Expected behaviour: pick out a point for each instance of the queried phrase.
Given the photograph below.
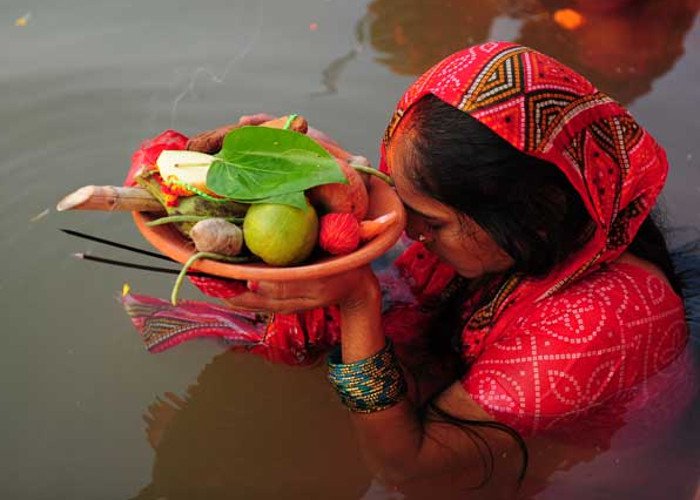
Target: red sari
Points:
(542, 352)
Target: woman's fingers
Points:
(279, 290)
(283, 296)
(255, 119)
(253, 302)
(210, 141)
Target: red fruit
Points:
(344, 198)
(339, 233)
(147, 153)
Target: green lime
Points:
(280, 234)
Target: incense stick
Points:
(132, 265)
(115, 244)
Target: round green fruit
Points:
(280, 235)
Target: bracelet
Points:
(368, 385)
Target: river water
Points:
(86, 411)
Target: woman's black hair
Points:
(524, 203)
(650, 244)
(470, 426)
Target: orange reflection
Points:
(569, 19)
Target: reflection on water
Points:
(331, 73)
(282, 436)
(622, 48)
(412, 35)
(228, 434)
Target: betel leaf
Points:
(258, 163)
(297, 200)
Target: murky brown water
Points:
(87, 413)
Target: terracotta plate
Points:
(383, 199)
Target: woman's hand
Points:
(351, 291)
(255, 119)
(210, 141)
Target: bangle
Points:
(368, 385)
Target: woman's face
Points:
(455, 238)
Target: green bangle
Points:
(368, 385)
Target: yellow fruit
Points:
(280, 235)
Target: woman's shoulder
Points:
(624, 305)
(629, 288)
(620, 308)
(644, 273)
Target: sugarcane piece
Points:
(111, 198)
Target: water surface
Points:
(87, 413)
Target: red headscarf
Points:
(546, 110)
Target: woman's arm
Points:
(402, 443)
(402, 446)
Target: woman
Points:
(541, 292)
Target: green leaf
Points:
(259, 162)
(297, 200)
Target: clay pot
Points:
(382, 200)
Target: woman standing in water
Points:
(535, 260)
